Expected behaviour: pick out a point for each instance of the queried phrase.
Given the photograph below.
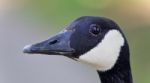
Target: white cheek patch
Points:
(104, 56)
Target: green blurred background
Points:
(51, 16)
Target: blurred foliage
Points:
(132, 15)
(139, 49)
(62, 11)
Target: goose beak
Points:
(56, 45)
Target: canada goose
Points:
(97, 41)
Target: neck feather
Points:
(121, 72)
(116, 75)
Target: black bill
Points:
(57, 45)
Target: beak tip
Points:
(27, 49)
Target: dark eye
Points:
(95, 29)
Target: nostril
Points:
(53, 42)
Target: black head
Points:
(80, 37)
(89, 32)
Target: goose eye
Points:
(95, 29)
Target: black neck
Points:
(116, 75)
(121, 72)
